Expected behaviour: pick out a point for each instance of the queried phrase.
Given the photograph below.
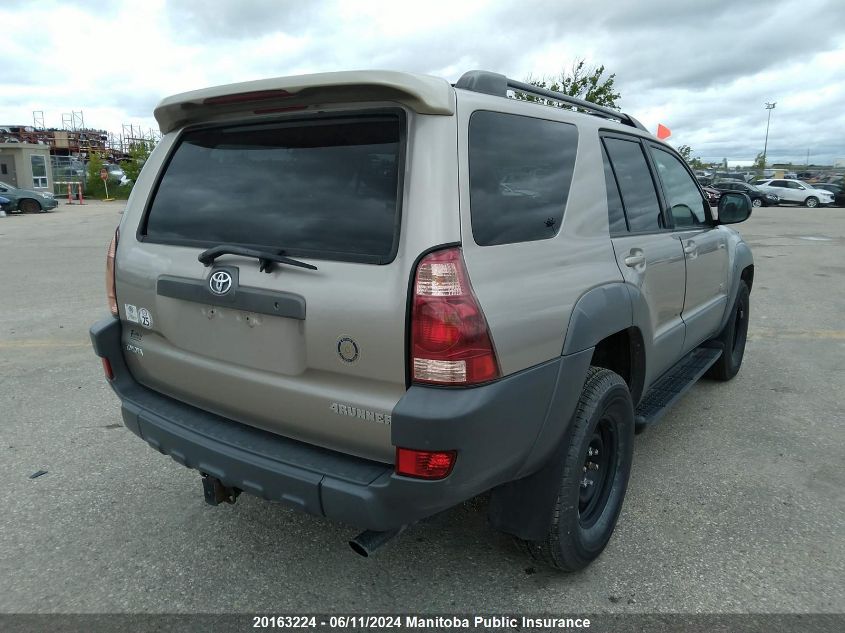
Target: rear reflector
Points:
(107, 369)
(424, 464)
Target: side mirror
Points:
(734, 208)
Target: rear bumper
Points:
(501, 431)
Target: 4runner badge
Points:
(220, 282)
(362, 414)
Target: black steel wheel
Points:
(598, 470)
(733, 337)
(597, 464)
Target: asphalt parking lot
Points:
(735, 502)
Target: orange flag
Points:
(663, 132)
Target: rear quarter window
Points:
(520, 172)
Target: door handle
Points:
(690, 248)
(632, 261)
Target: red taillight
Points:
(450, 340)
(424, 464)
(110, 291)
(107, 369)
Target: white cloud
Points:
(703, 69)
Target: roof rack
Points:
(498, 85)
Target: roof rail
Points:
(498, 85)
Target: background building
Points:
(26, 166)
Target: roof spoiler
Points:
(499, 85)
(421, 93)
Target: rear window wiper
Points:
(266, 259)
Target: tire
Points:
(584, 515)
(811, 202)
(757, 202)
(733, 337)
(28, 205)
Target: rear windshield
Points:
(327, 189)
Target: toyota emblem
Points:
(220, 282)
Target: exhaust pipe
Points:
(368, 541)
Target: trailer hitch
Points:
(216, 492)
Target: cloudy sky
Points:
(704, 68)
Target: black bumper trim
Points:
(494, 428)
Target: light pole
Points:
(769, 107)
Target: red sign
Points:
(104, 174)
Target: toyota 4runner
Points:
(374, 295)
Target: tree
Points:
(94, 187)
(582, 82)
(138, 154)
(686, 153)
(760, 162)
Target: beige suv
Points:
(374, 295)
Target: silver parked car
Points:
(374, 295)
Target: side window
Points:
(682, 194)
(778, 183)
(615, 211)
(520, 171)
(635, 185)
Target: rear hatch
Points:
(315, 353)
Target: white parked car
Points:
(797, 191)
